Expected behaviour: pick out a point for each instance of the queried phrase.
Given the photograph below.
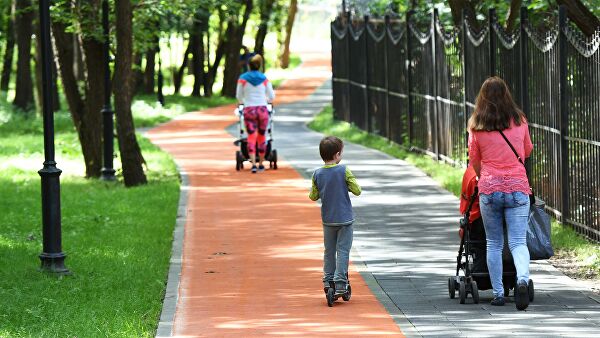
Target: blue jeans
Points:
(514, 208)
(338, 242)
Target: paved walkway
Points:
(252, 252)
(406, 236)
(252, 249)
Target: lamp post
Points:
(52, 256)
(108, 172)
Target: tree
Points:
(196, 46)
(266, 8)
(7, 62)
(24, 85)
(178, 76)
(149, 70)
(581, 15)
(234, 35)
(285, 48)
(83, 98)
(131, 155)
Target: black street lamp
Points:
(52, 256)
(108, 172)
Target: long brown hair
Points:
(495, 107)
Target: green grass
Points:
(565, 240)
(147, 112)
(278, 75)
(117, 240)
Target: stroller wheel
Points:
(475, 292)
(274, 158)
(238, 161)
(451, 287)
(462, 292)
(531, 290)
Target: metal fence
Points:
(417, 87)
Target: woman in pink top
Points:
(503, 185)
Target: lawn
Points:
(117, 240)
(566, 242)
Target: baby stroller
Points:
(242, 155)
(472, 261)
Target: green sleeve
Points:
(352, 184)
(314, 191)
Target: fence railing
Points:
(418, 89)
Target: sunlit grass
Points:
(564, 239)
(147, 112)
(117, 239)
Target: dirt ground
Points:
(568, 264)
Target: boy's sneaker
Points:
(498, 301)
(340, 287)
(522, 295)
(327, 286)
(261, 168)
(253, 169)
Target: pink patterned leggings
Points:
(256, 120)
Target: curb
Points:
(167, 315)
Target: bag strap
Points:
(532, 195)
(512, 148)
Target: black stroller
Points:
(471, 260)
(242, 155)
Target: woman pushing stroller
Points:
(255, 91)
(496, 127)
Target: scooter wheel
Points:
(348, 294)
(330, 297)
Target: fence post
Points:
(491, 21)
(463, 46)
(367, 114)
(524, 73)
(524, 63)
(409, 77)
(387, 80)
(435, 132)
(564, 113)
(348, 37)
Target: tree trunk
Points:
(457, 6)
(85, 120)
(513, 13)
(38, 70)
(212, 73)
(178, 77)
(197, 49)
(131, 155)
(94, 101)
(149, 71)
(138, 74)
(285, 52)
(10, 48)
(232, 56)
(207, 91)
(581, 16)
(55, 96)
(24, 88)
(78, 58)
(261, 34)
